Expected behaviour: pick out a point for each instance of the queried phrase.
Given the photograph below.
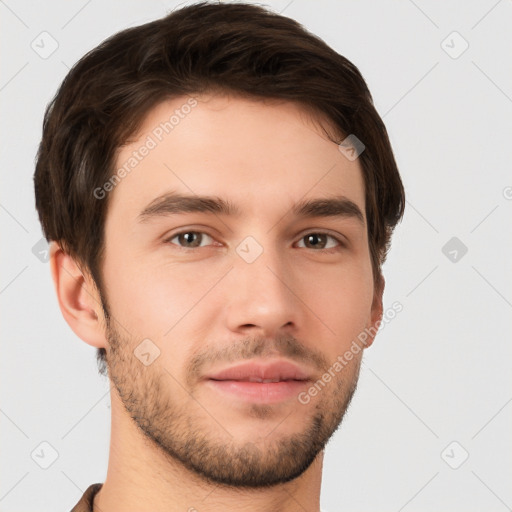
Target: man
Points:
(219, 193)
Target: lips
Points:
(269, 372)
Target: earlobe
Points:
(377, 311)
(78, 297)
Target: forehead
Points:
(259, 154)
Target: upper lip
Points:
(274, 371)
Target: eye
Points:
(319, 240)
(190, 239)
(314, 240)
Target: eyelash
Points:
(341, 244)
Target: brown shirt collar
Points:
(85, 503)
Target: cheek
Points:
(156, 301)
(342, 300)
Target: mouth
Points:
(259, 379)
(259, 392)
(262, 371)
(261, 382)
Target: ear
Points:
(78, 298)
(377, 311)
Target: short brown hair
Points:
(234, 48)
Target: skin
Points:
(177, 444)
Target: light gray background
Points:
(438, 373)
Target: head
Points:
(248, 115)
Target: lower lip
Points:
(265, 392)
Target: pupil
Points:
(189, 237)
(313, 237)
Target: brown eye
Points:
(320, 240)
(189, 239)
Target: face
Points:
(252, 277)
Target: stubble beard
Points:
(200, 443)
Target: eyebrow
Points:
(174, 203)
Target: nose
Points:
(263, 295)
